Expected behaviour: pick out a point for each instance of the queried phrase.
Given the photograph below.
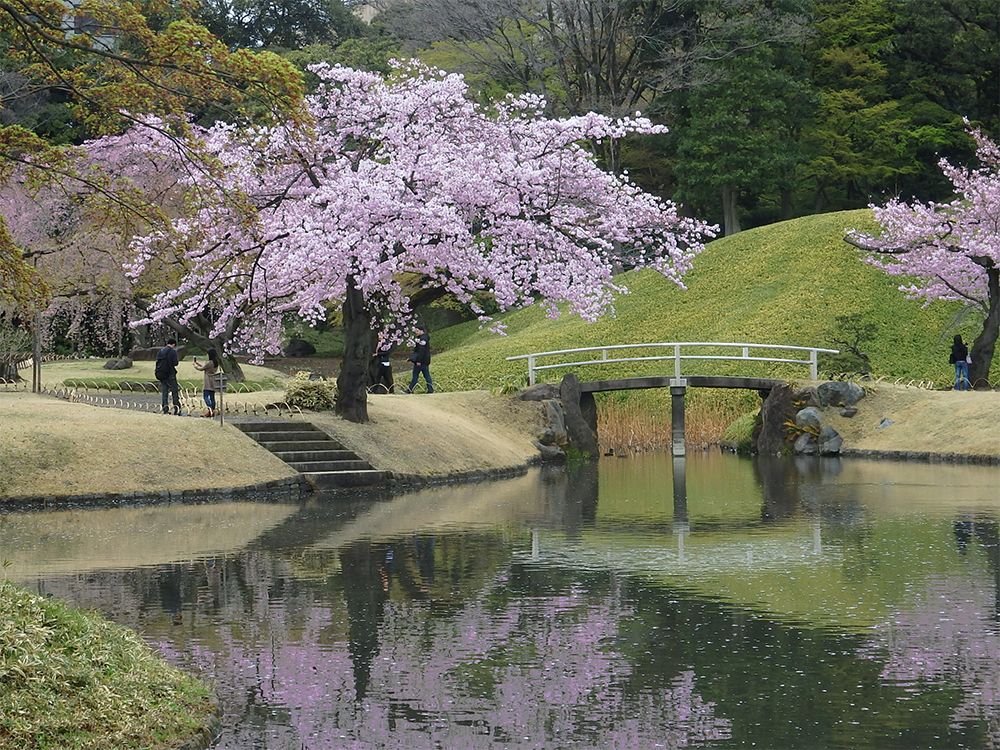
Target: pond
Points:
(644, 603)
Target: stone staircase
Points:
(322, 461)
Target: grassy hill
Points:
(785, 283)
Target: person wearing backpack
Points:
(166, 373)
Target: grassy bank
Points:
(442, 433)
(53, 447)
(70, 680)
(785, 283)
(960, 422)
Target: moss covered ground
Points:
(70, 680)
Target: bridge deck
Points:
(693, 381)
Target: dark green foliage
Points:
(738, 143)
(290, 24)
(855, 333)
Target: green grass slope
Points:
(785, 283)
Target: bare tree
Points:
(609, 56)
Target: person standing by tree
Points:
(383, 377)
(166, 373)
(421, 359)
(211, 369)
(960, 358)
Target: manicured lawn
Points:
(785, 283)
(53, 447)
(89, 371)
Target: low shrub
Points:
(315, 395)
(739, 434)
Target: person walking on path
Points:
(166, 373)
(960, 358)
(211, 369)
(383, 377)
(421, 359)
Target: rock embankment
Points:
(879, 419)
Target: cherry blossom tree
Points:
(950, 250)
(405, 176)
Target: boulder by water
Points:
(839, 393)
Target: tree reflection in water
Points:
(951, 637)
(612, 606)
(499, 667)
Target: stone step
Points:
(329, 479)
(282, 446)
(272, 426)
(355, 464)
(300, 456)
(286, 435)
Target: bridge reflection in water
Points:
(714, 601)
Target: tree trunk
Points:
(787, 205)
(730, 211)
(8, 371)
(229, 364)
(985, 343)
(352, 383)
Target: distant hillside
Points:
(784, 283)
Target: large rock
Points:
(778, 408)
(555, 422)
(539, 392)
(839, 393)
(808, 419)
(807, 397)
(830, 442)
(118, 364)
(581, 436)
(806, 445)
(551, 453)
(299, 348)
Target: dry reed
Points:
(629, 427)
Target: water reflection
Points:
(653, 602)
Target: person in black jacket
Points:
(166, 373)
(383, 377)
(421, 359)
(959, 358)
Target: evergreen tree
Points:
(738, 141)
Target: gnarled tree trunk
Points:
(352, 382)
(984, 345)
(191, 333)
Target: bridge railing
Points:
(679, 351)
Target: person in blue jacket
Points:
(421, 359)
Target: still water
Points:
(718, 602)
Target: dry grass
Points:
(53, 447)
(442, 433)
(963, 422)
(635, 426)
(73, 681)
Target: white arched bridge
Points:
(680, 355)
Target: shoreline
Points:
(423, 440)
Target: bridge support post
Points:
(677, 420)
